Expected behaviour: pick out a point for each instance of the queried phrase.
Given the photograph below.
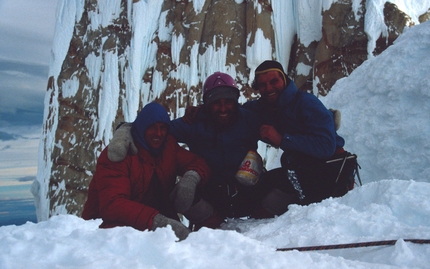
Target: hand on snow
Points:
(180, 230)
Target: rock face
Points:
(112, 57)
(343, 45)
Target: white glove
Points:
(336, 117)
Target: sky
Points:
(27, 31)
(385, 106)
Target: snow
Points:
(107, 104)
(285, 26)
(383, 210)
(385, 107)
(255, 52)
(374, 24)
(143, 51)
(68, 12)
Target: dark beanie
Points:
(269, 65)
(219, 93)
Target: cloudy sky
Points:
(27, 29)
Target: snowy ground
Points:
(385, 210)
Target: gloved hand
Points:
(121, 143)
(269, 135)
(180, 230)
(183, 193)
(190, 114)
(336, 117)
(199, 212)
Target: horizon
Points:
(24, 74)
(27, 28)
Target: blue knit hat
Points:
(150, 114)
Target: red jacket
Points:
(117, 189)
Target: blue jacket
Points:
(223, 149)
(304, 122)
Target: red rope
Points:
(356, 245)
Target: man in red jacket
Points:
(135, 192)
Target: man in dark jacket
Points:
(135, 191)
(299, 124)
(222, 134)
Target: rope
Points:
(356, 245)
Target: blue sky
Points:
(27, 30)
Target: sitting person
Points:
(314, 159)
(135, 191)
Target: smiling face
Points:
(223, 110)
(270, 85)
(156, 134)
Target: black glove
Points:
(199, 212)
(183, 193)
(277, 201)
(191, 114)
(121, 143)
(180, 230)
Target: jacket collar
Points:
(287, 95)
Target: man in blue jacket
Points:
(222, 133)
(299, 124)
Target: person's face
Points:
(156, 134)
(270, 85)
(223, 110)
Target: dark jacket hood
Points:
(150, 114)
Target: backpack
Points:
(347, 168)
(319, 179)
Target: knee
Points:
(277, 201)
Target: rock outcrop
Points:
(112, 57)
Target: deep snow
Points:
(384, 210)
